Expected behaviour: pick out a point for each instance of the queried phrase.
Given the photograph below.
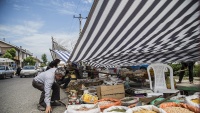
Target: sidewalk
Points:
(185, 81)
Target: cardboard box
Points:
(115, 91)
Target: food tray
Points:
(129, 100)
(180, 98)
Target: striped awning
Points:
(64, 55)
(128, 32)
(59, 52)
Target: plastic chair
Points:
(159, 78)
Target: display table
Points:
(187, 88)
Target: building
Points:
(21, 53)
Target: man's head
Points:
(59, 73)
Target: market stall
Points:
(124, 33)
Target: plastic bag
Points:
(173, 104)
(113, 102)
(88, 98)
(73, 108)
(108, 110)
(189, 100)
(145, 107)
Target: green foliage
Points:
(44, 58)
(42, 65)
(176, 67)
(12, 51)
(196, 70)
(7, 55)
(29, 61)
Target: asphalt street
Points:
(18, 96)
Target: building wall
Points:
(21, 54)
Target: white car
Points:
(6, 71)
(28, 71)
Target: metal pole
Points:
(80, 22)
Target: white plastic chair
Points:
(159, 78)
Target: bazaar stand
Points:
(129, 32)
(126, 93)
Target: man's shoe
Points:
(179, 82)
(191, 82)
(40, 107)
(55, 104)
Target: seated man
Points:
(45, 82)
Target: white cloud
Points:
(67, 41)
(60, 6)
(88, 1)
(64, 11)
(27, 28)
(27, 36)
(39, 44)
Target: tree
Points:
(29, 61)
(7, 55)
(12, 51)
(44, 58)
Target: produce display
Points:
(196, 100)
(160, 99)
(177, 110)
(84, 94)
(181, 98)
(145, 111)
(83, 109)
(108, 102)
(183, 108)
(88, 98)
(117, 110)
(193, 100)
(104, 103)
(129, 100)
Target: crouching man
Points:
(45, 82)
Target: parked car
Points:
(28, 71)
(39, 69)
(44, 68)
(6, 71)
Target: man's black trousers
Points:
(55, 94)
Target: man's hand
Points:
(48, 109)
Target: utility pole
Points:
(80, 19)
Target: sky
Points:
(32, 23)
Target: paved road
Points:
(18, 96)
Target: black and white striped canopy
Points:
(59, 52)
(64, 55)
(128, 32)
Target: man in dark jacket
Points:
(18, 70)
